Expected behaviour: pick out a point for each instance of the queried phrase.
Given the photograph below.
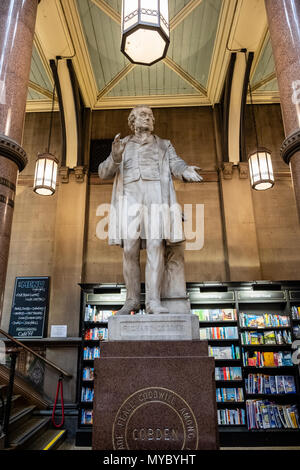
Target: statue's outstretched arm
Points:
(182, 170)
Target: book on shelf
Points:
(267, 358)
(224, 352)
(96, 334)
(215, 315)
(229, 394)
(263, 414)
(86, 416)
(231, 417)
(88, 373)
(266, 337)
(220, 332)
(91, 353)
(265, 320)
(228, 373)
(295, 312)
(87, 394)
(270, 384)
(93, 314)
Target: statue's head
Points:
(141, 117)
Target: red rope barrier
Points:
(59, 386)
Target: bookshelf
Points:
(232, 340)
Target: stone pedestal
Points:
(153, 327)
(155, 395)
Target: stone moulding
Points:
(80, 171)
(290, 146)
(243, 170)
(10, 149)
(64, 174)
(227, 169)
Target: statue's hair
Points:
(132, 115)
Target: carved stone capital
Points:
(227, 168)
(80, 171)
(290, 146)
(64, 174)
(13, 151)
(243, 170)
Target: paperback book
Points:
(226, 314)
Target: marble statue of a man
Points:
(142, 165)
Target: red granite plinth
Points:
(157, 399)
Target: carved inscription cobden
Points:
(155, 418)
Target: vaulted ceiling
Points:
(192, 74)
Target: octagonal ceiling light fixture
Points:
(145, 30)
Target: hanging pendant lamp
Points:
(145, 30)
(259, 161)
(46, 166)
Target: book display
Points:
(250, 329)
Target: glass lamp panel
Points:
(44, 191)
(254, 169)
(130, 13)
(145, 46)
(54, 175)
(264, 165)
(48, 172)
(263, 186)
(164, 13)
(149, 12)
(39, 179)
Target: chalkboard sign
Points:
(29, 307)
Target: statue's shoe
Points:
(128, 307)
(156, 308)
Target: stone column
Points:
(284, 21)
(17, 22)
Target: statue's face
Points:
(144, 120)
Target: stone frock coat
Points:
(169, 164)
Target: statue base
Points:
(164, 327)
(155, 395)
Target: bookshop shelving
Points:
(228, 371)
(97, 303)
(226, 336)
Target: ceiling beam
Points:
(81, 61)
(40, 106)
(106, 8)
(43, 58)
(264, 97)
(117, 78)
(221, 56)
(264, 81)
(183, 13)
(185, 75)
(259, 52)
(41, 90)
(154, 101)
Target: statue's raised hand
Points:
(117, 149)
(190, 174)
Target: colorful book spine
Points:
(262, 414)
(229, 395)
(231, 417)
(270, 385)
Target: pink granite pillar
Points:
(17, 22)
(284, 26)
